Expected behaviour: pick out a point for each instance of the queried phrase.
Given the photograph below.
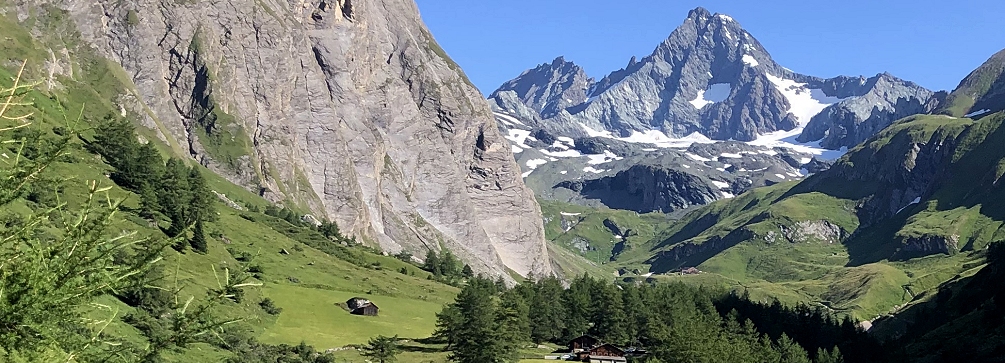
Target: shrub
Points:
(270, 307)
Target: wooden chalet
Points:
(361, 306)
(606, 353)
(583, 343)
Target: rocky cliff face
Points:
(712, 77)
(346, 107)
(646, 188)
(880, 101)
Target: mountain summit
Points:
(711, 77)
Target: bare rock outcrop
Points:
(346, 107)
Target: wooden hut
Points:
(361, 306)
(583, 343)
(607, 353)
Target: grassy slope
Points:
(307, 283)
(827, 273)
(587, 245)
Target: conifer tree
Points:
(790, 351)
(201, 208)
(513, 326)
(475, 335)
(829, 356)
(432, 263)
(175, 196)
(548, 316)
(198, 241)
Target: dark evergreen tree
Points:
(829, 356)
(198, 240)
(175, 196)
(467, 272)
(610, 322)
(448, 325)
(548, 315)
(432, 263)
(790, 351)
(475, 335)
(449, 265)
(201, 207)
(381, 349)
(513, 325)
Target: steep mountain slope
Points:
(709, 81)
(345, 108)
(982, 92)
(712, 77)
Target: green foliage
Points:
(198, 241)
(381, 349)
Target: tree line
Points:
(172, 189)
(672, 322)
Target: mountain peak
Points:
(699, 13)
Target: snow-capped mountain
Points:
(709, 81)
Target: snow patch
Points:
(805, 160)
(730, 155)
(563, 172)
(652, 137)
(750, 60)
(720, 184)
(562, 154)
(507, 119)
(913, 202)
(534, 163)
(570, 214)
(726, 195)
(805, 103)
(606, 157)
(519, 137)
(697, 157)
(769, 152)
(686, 166)
(590, 169)
(780, 176)
(715, 93)
(515, 149)
(724, 17)
(977, 113)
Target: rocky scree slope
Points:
(347, 108)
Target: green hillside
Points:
(302, 272)
(832, 241)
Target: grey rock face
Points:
(348, 107)
(877, 102)
(808, 231)
(712, 77)
(550, 88)
(645, 188)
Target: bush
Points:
(270, 307)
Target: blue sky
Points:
(933, 43)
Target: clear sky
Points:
(934, 43)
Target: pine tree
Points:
(449, 264)
(201, 208)
(448, 325)
(149, 205)
(198, 241)
(475, 343)
(548, 316)
(467, 272)
(579, 307)
(610, 320)
(513, 326)
(381, 349)
(831, 356)
(175, 196)
(790, 351)
(432, 263)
